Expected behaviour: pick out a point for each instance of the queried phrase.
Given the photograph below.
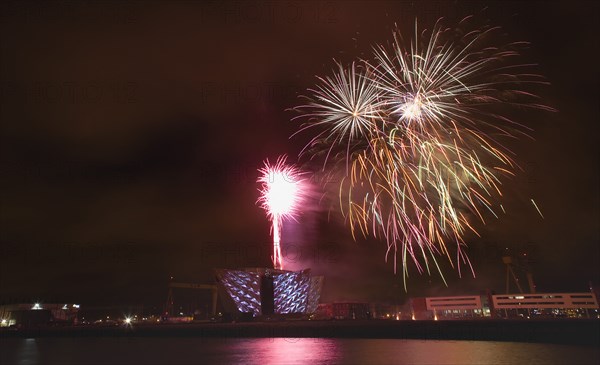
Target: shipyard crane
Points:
(523, 265)
(172, 285)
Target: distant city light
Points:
(36, 306)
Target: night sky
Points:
(131, 134)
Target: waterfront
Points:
(281, 351)
(567, 332)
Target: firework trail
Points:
(281, 193)
(416, 135)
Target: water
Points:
(282, 351)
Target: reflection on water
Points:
(28, 352)
(281, 351)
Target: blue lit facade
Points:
(263, 291)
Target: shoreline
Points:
(572, 332)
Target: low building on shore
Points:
(38, 314)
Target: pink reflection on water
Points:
(277, 351)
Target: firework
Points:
(347, 104)
(281, 193)
(418, 130)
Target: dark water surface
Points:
(281, 351)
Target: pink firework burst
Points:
(281, 194)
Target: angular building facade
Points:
(263, 291)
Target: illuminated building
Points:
(264, 292)
(34, 314)
(573, 305)
(546, 305)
